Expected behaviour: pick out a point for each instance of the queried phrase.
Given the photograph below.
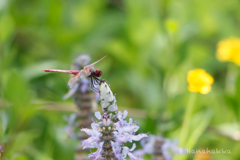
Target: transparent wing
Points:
(90, 65)
(84, 73)
(71, 92)
(72, 81)
(81, 74)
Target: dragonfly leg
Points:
(99, 81)
(96, 82)
(92, 85)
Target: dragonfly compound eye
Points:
(98, 73)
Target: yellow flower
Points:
(229, 50)
(202, 155)
(199, 81)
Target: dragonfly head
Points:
(98, 72)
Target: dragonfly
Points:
(87, 71)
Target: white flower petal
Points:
(138, 137)
(125, 113)
(133, 157)
(133, 147)
(130, 128)
(87, 131)
(98, 115)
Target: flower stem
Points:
(187, 119)
(238, 93)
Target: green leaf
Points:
(19, 157)
(16, 90)
(20, 141)
(237, 107)
(200, 124)
(153, 122)
(233, 104)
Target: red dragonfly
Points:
(87, 71)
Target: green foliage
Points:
(151, 46)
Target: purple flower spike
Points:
(157, 144)
(112, 131)
(81, 61)
(172, 146)
(120, 132)
(84, 85)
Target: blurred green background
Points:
(151, 46)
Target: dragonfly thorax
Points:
(96, 73)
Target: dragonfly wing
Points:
(88, 66)
(84, 73)
(72, 81)
(71, 92)
(81, 74)
(92, 67)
